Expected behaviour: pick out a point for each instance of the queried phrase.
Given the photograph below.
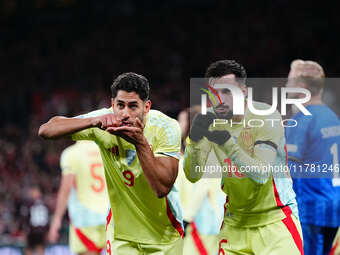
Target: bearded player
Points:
(261, 215)
(140, 149)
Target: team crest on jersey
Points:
(247, 140)
(130, 156)
(114, 150)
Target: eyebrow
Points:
(226, 90)
(131, 102)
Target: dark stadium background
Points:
(59, 57)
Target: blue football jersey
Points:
(313, 158)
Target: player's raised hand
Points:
(219, 137)
(107, 120)
(139, 124)
(131, 133)
(200, 126)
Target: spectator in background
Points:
(38, 223)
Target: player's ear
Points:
(301, 84)
(112, 101)
(244, 90)
(147, 106)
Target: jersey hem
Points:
(128, 238)
(227, 222)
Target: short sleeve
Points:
(95, 113)
(90, 133)
(68, 162)
(95, 134)
(169, 143)
(86, 134)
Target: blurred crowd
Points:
(61, 61)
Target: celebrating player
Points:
(83, 189)
(140, 150)
(261, 215)
(313, 144)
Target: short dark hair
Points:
(131, 82)
(224, 67)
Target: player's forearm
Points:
(62, 199)
(257, 167)
(192, 164)
(58, 127)
(160, 177)
(195, 158)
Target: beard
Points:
(223, 112)
(226, 116)
(141, 117)
(132, 122)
